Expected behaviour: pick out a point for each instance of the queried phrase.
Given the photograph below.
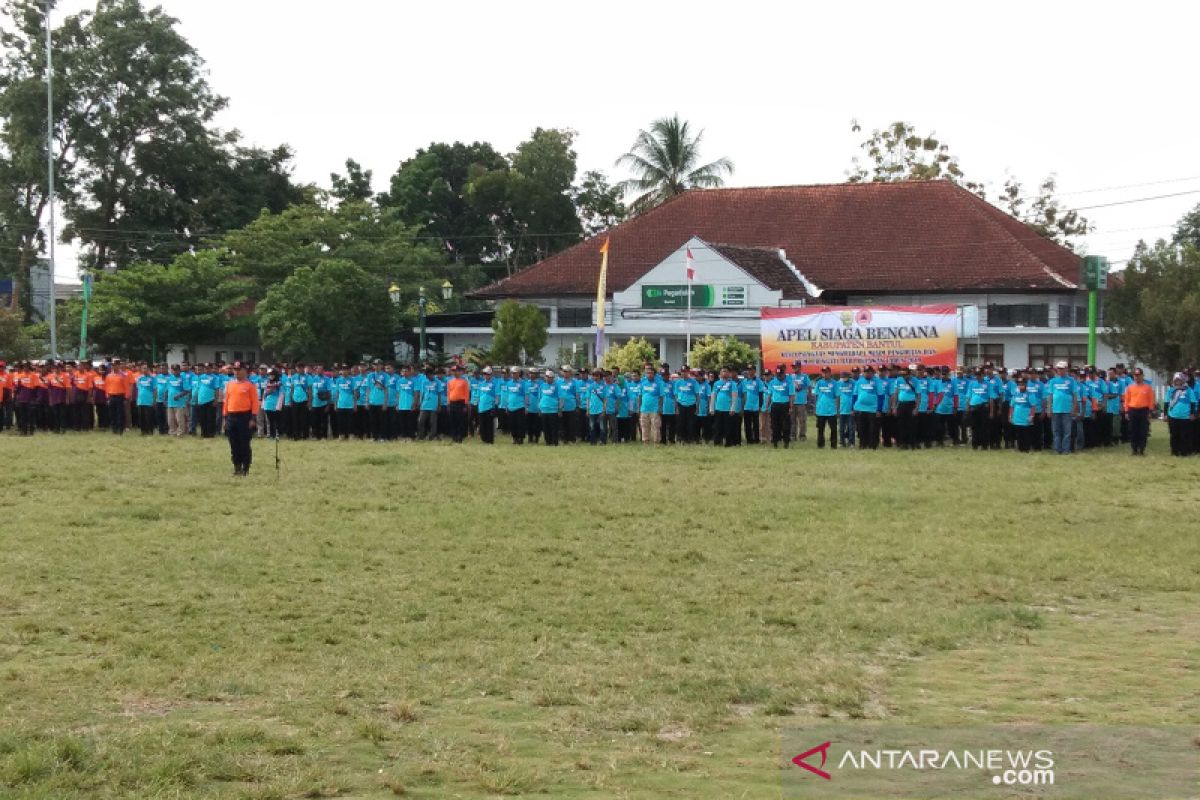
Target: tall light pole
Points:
(421, 306)
(50, 180)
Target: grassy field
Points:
(435, 621)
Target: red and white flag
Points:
(691, 265)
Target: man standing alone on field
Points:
(241, 415)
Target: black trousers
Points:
(207, 412)
(668, 431)
(516, 425)
(407, 422)
(427, 425)
(81, 415)
(886, 429)
(750, 425)
(116, 414)
(160, 418)
(273, 424)
(533, 427)
(58, 417)
(485, 423)
(981, 428)
(457, 411)
(237, 428)
(1139, 428)
(298, 424)
(822, 424)
(687, 424)
(345, 423)
(867, 423)
(318, 421)
(550, 428)
(726, 423)
(781, 425)
(25, 419)
(1024, 434)
(375, 418)
(146, 419)
(906, 424)
(1181, 436)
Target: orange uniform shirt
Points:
(1139, 396)
(115, 384)
(82, 380)
(458, 389)
(241, 396)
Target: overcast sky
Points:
(1100, 93)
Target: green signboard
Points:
(703, 296)
(1095, 272)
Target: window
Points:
(250, 357)
(975, 354)
(237, 355)
(219, 356)
(1077, 316)
(1045, 355)
(1018, 316)
(575, 317)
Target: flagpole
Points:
(687, 325)
(601, 296)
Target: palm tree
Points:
(664, 161)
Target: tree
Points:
(711, 352)
(598, 204)
(520, 332)
(1153, 312)
(1045, 213)
(335, 311)
(15, 344)
(631, 356)
(140, 170)
(148, 306)
(898, 153)
(541, 209)
(665, 161)
(355, 185)
(432, 191)
(1188, 229)
(272, 247)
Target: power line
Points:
(1138, 200)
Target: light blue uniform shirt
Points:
(826, 392)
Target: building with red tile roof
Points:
(909, 243)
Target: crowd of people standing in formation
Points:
(906, 407)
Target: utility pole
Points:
(50, 180)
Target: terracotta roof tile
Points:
(930, 236)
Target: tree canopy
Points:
(665, 161)
(331, 312)
(899, 153)
(519, 333)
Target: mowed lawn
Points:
(440, 621)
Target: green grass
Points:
(435, 621)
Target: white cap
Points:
(912, 366)
(487, 370)
(514, 370)
(1060, 365)
(549, 373)
(566, 368)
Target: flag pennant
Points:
(691, 265)
(601, 296)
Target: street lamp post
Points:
(421, 305)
